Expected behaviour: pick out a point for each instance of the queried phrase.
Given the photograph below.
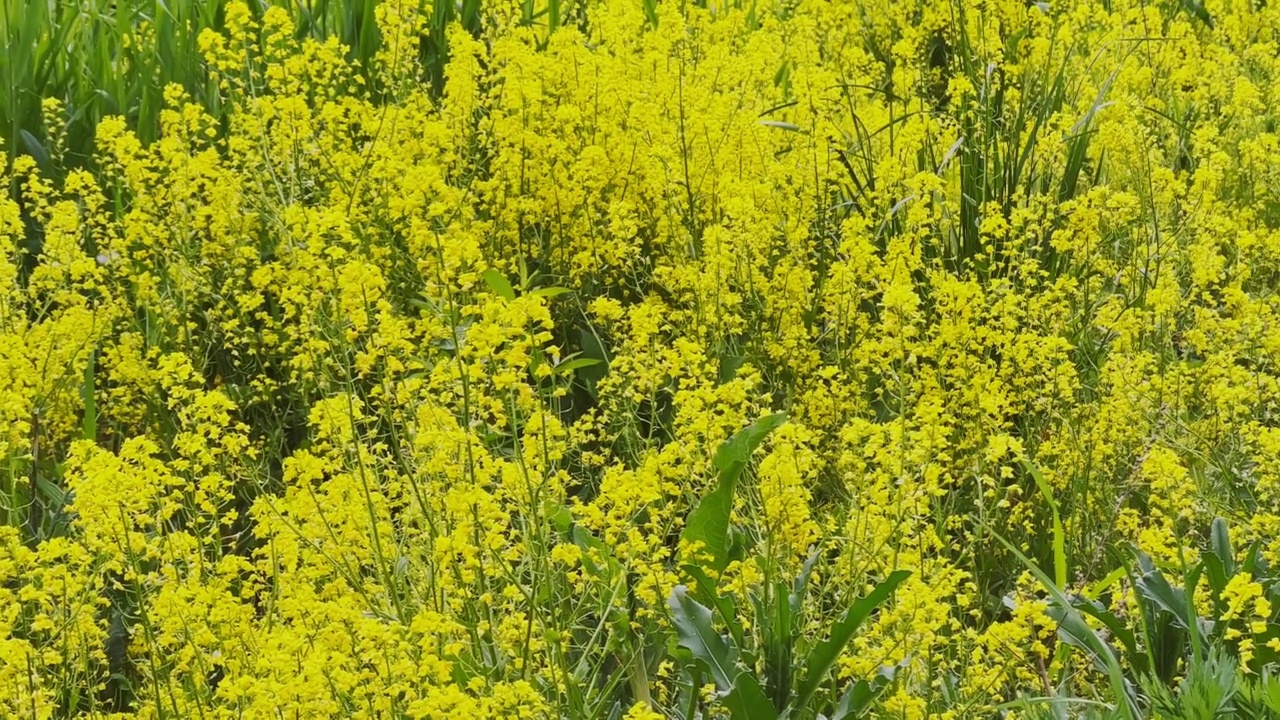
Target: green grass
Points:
(115, 57)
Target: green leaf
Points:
(708, 524)
(1254, 563)
(746, 701)
(779, 634)
(692, 621)
(1155, 588)
(1116, 626)
(858, 698)
(1190, 581)
(822, 657)
(1099, 587)
(55, 497)
(722, 605)
(1217, 577)
(729, 366)
(1221, 545)
(560, 515)
(36, 150)
(1075, 631)
(499, 284)
(592, 547)
(651, 12)
(550, 292)
(89, 428)
(735, 453)
(569, 366)
(592, 348)
(801, 585)
(1199, 11)
(1059, 535)
(1078, 143)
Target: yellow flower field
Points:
(772, 360)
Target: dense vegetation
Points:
(639, 359)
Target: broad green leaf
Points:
(746, 701)
(779, 633)
(35, 149)
(858, 698)
(695, 632)
(801, 585)
(592, 547)
(1094, 591)
(729, 366)
(1197, 8)
(569, 366)
(722, 605)
(822, 657)
(550, 292)
(1155, 588)
(1217, 577)
(1254, 563)
(53, 495)
(708, 524)
(651, 12)
(1074, 631)
(499, 284)
(1117, 627)
(735, 453)
(560, 515)
(592, 348)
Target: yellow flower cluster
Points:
(1247, 605)
(366, 400)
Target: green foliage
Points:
(1258, 697)
(708, 525)
(1207, 692)
(733, 670)
(756, 674)
(824, 656)
(693, 627)
(1075, 631)
(101, 58)
(98, 58)
(1169, 659)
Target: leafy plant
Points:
(707, 527)
(1258, 697)
(731, 660)
(1185, 663)
(1207, 692)
(778, 691)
